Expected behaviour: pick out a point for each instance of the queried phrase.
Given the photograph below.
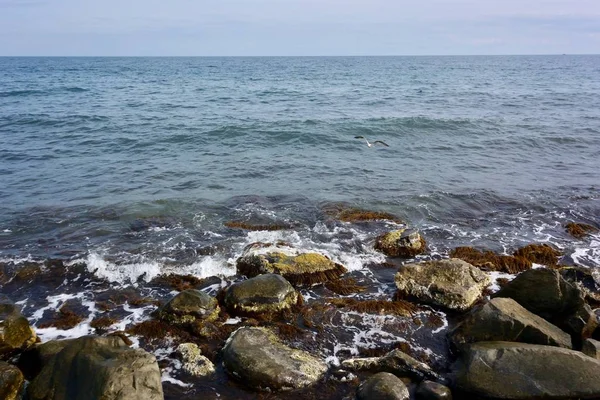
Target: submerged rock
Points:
(263, 294)
(11, 382)
(503, 319)
(15, 332)
(429, 390)
(189, 306)
(345, 213)
(94, 367)
(194, 363)
(506, 370)
(382, 386)
(256, 358)
(405, 243)
(453, 283)
(297, 268)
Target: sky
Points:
(297, 27)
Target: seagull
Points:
(372, 144)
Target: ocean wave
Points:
(38, 92)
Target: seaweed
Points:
(64, 319)
(256, 227)
(490, 261)
(397, 307)
(539, 254)
(344, 286)
(580, 230)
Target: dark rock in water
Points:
(11, 382)
(591, 348)
(94, 367)
(382, 386)
(405, 243)
(255, 357)
(189, 306)
(345, 213)
(15, 332)
(395, 362)
(490, 261)
(257, 226)
(503, 319)
(544, 292)
(453, 283)
(506, 370)
(263, 294)
(579, 230)
(539, 254)
(297, 268)
(429, 390)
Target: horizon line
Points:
(307, 56)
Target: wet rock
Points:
(453, 283)
(591, 348)
(263, 294)
(544, 292)
(382, 386)
(405, 243)
(15, 332)
(429, 390)
(255, 357)
(11, 382)
(297, 268)
(257, 226)
(490, 261)
(194, 363)
(579, 230)
(539, 254)
(506, 370)
(94, 367)
(37, 356)
(503, 319)
(189, 306)
(345, 213)
(395, 362)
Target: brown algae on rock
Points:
(401, 243)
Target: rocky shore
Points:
(263, 334)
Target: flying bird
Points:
(372, 144)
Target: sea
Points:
(131, 168)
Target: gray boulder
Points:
(11, 382)
(503, 319)
(382, 386)
(401, 243)
(256, 358)
(15, 332)
(429, 390)
(264, 294)
(453, 283)
(190, 306)
(506, 370)
(591, 348)
(98, 368)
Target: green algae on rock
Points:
(11, 382)
(15, 332)
(193, 362)
(263, 294)
(189, 306)
(297, 268)
(405, 243)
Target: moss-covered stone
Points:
(15, 332)
(346, 213)
(401, 243)
(263, 294)
(190, 306)
(11, 382)
(194, 363)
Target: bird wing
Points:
(383, 143)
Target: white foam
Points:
(122, 272)
(495, 275)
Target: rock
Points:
(15, 332)
(405, 243)
(395, 362)
(189, 306)
(37, 356)
(429, 390)
(503, 319)
(263, 294)
(194, 363)
(591, 348)
(490, 261)
(11, 382)
(93, 367)
(345, 213)
(506, 370)
(453, 283)
(256, 358)
(382, 386)
(297, 268)
(544, 292)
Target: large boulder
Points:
(15, 332)
(401, 243)
(255, 357)
(506, 370)
(429, 390)
(395, 362)
(190, 306)
(11, 382)
(453, 283)
(546, 293)
(298, 268)
(383, 386)
(94, 367)
(263, 294)
(503, 319)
